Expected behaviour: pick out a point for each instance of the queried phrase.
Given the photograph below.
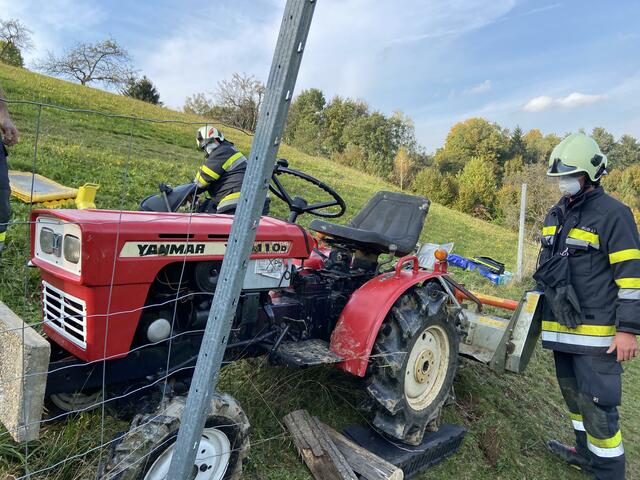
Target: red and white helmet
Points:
(207, 135)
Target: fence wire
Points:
(52, 135)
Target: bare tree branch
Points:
(14, 32)
(103, 62)
(238, 100)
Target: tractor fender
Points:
(360, 320)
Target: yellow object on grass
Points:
(87, 195)
(38, 189)
(43, 189)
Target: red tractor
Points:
(126, 295)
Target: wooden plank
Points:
(317, 450)
(362, 461)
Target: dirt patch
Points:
(489, 445)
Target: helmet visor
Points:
(559, 168)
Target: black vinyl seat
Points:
(388, 218)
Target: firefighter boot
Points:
(570, 455)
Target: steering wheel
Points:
(298, 205)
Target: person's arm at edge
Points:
(9, 131)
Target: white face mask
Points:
(569, 186)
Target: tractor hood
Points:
(139, 240)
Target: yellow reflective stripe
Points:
(624, 255)
(584, 235)
(231, 196)
(209, 172)
(3, 235)
(232, 159)
(628, 282)
(201, 180)
(593, 330)
(606, 442)
(549, 230)
(576, 416)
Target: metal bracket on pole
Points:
(282, 78)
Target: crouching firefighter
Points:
(222, 173)
(589, 270)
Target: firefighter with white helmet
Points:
(589, 270)
(223, 170)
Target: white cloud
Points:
(538, 104)
(353, 48)
(49, 21)
(573, 100)
(578, 99)
(480, 88)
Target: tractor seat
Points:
(388, 218)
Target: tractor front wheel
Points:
(413, 363)
(145, 452)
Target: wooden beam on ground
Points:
(316, 448)
(362, 461)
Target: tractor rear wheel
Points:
(413, 362)
(145, 452)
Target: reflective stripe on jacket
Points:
(222, 174)
(600, 235)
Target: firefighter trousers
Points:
(5, 193)
(592, 389)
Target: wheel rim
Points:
(80, 402)
(212, 460)
(427, 367)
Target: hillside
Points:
(508, 417)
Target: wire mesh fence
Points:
(81, 430)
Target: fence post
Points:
(282, 77)
(523, 208)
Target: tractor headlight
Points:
(47, 240)
(71, 248)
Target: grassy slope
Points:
(508, 417)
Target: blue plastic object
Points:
(468, 264)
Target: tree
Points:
(11, 55)
(477, 188)
(142, 89)
(402, 166)
(541, 195)
(199, 104)
(438, 187)
(305, 121)
(538, 146)
(475, 137)
(15, 38)
(239, 100)
(104, 62)
(605, 140)
(517, 146)
(337, 116)
(625, 152)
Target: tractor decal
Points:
(177, 249)
(271, 247)
(172, 249)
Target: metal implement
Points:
(503, 344)
(294, 29)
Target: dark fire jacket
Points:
(222, 175)
(600, 235)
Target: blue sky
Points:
(553, 65)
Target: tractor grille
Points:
(67, 315)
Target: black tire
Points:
(151, 435)
(420, 330)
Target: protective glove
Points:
(554, 276)
(564, 304)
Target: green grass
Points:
(508, 417)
